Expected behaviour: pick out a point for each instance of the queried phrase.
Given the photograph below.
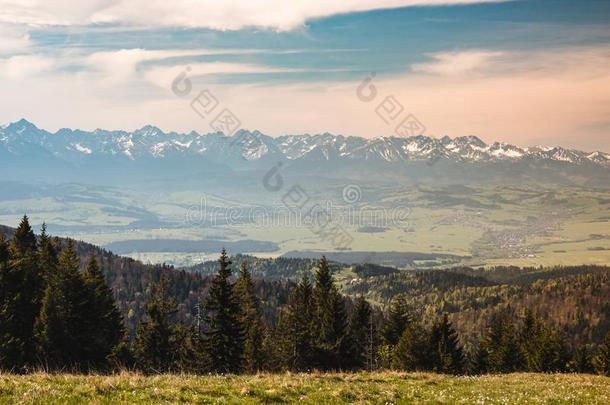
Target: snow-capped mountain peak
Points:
(150, 142)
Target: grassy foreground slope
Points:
(382, 387)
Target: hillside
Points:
(575, 299)
(572, 298)
(132, 281)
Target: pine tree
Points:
(480, 363)
(251, 321)
(63, 330)
(396, 321)
(106, 323)
(4, 268)
(23, 284)
(413, 352)
(554, 354)
(294, 333)
(541, 349)
(224, 339)
(330, 317)
(23, 244)
(4, 251)
(187, 354)
(360, 335)
(47, 255)
(7, 361)
(530, 336)
(398, 318)
(601, 361)
(271, 347)
(155, 342)
(581, 361)
(500, 352)
(447, 354)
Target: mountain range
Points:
(106, 157)
(22, 138)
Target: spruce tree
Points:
(47, 255)
(23, 284)
(398, 318)
(330, 318)
(271, 349)
(542, 350)
(447, 354)
(107, 329)
(413, 352)
(187, 354)
(500, 348)
(4, 252)
(294, 333)
(63, 329)
(480, 363)
(360, 336)
(581, 361)
(4, 269)
(224, 339)
(7, 360)
(23, 244)
(250, 318)
(554, 354)
(530, 336)
(601, 361)
(155, 341)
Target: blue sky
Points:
(525, 71)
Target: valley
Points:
(476, 225)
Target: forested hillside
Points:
(71, 305)
(280, 268)
(572, 299)
(132, 282)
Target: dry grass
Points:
(382, 387)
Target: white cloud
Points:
(457, 63)
(483, 62)
(215, 14)
(23, 66)
(124, 66)
(163, 76)
(121, 65)
(13, 39)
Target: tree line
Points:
(61, 317)
(52, 314)
(571, 299)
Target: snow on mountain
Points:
(503, 150)
(82, 149)
(22, 137)
(599, 157)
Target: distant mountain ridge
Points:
(22, 138)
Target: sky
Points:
(527, 72)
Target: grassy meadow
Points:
(378, 387)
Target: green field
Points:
(378, 388)
(484, 224)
